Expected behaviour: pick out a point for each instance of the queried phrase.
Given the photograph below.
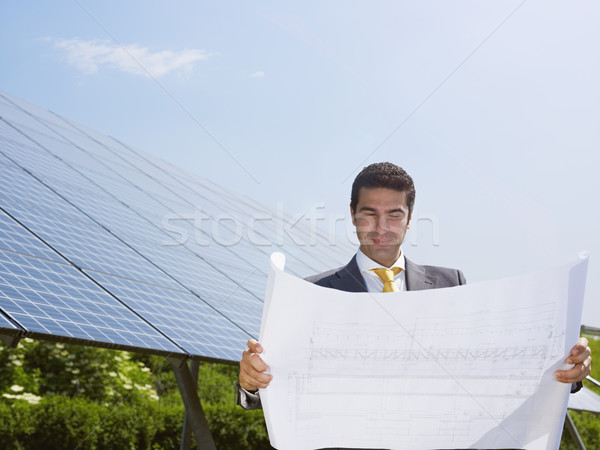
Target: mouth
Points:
(382, 241)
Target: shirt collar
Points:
(365, 264)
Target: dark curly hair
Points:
(384, 175)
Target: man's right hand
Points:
(252, 368)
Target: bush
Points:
(61, 396)
(234, 428)
(50, 368)
(60, 422)
(16, 423)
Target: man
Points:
(382, 201)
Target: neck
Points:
(385, 262)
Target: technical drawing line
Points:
(427, 355)
(445, 370)
(441, 366)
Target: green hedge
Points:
(234, 428)
(60, 422)
(61, 396)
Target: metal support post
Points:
(186, 433)
(193, 408)
(10, 340)
(574, 433)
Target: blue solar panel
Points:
(91, 247)
(241, 306)
(81, 240)
(16, 239)
(224, 201)
(112, 214)
(5, 324)
(51, 298)
(217, 202)
(273, 234)
(127, 221)
(195, 326)
(20, 111)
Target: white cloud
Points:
(90, 56)
(257, 75)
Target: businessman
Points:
(381, 206)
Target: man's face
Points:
(381, 219)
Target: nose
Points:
(381, 225)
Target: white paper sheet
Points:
(464, 367)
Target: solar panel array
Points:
(101, 244)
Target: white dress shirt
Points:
(372, 280)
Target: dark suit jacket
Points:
(418, 278)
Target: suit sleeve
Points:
(248, 400)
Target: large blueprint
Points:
(463, 367)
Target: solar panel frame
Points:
(341, 252)
(94, 201)
(8, 327)
(185, 320)
(48, 298)
(88, 245)
(14, 238)
(23, 107)
(71, 230)
(211, 285)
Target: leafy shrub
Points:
(60, 422)
(234, 428)
(50, 368)
(61, 396)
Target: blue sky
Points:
(491, 106)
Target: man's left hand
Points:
(581, 356)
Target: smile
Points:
(382, 242)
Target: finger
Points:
(252, 361)
(252, 369)
(251, 383)
(580, 357)
(254, 346)
(581, 346)
(575, 374)
(251, 379)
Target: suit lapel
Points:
(350, 279)
(417, 278)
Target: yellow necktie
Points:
(387, 276)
